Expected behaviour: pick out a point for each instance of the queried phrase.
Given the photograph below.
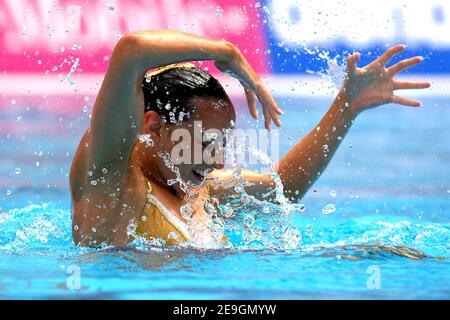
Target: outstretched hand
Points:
(374, 84)
(238, 67)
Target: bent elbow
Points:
(127, 47)
(128, 40)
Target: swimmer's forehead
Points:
(213, 113)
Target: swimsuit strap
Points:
(149, 198)
(171, 218)
(149, 188)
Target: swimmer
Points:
(121, 175)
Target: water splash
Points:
(253, 223)
(334, 73)
(146, 139)
(43, 228)
(329, 209)
(68, 76)
(185, 186)
(35, 227)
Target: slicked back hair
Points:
(170, 92)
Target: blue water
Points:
(390, 182)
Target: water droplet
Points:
(333, 193)
(94, 229)
(85, 109)
(309, 230)
(147, 140)
(329, 209)
(8, 192)
(94, 182)
(292, 237)
(186, 211)
(209, 208)
(227, 211)
(18, 171)
(249, 221)
(75, 227)
(172, 235)
(218, 12)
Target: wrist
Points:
(348, 106)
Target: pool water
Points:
(388, 238)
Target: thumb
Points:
(352, 61)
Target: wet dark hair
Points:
(170, 92)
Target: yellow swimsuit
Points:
(156, 221)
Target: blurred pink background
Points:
(48, 36)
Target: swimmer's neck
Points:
(149, 168)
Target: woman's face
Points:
(191, 150)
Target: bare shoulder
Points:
(86, 176)
(104, 202)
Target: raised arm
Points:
(101, 164)
(363, 88)
(118, 110)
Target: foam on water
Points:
(40, 229)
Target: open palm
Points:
(374, 84)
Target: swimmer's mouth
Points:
(201, 174)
